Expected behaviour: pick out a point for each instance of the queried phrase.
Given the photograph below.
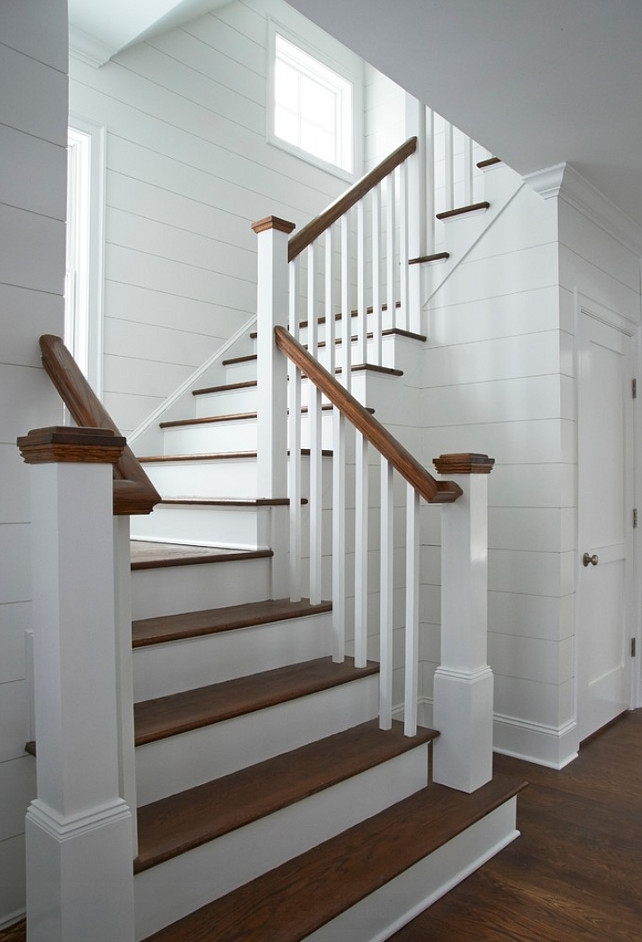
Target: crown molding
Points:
(88, 49)
(563, 181)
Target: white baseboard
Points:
(7, 921)
(553, 747)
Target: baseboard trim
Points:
(6, 922)
(550, 746)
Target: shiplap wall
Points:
(33, 133)
(188, 170)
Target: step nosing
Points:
(265, 788)
(163, 717)
(167, 628)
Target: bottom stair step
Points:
(300, 897)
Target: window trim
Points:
(349, 75)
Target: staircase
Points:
(277, 796)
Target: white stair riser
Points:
(175, 589)
(205, 525)
(172, 889)
(225, 402)
(232, 435)
(381, 914)
(240, 372)
(222, 477)
(179, 762)
(163, 669)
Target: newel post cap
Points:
(464, 463)
(66, 443)
(273, 222)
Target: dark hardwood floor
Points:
(576, 871)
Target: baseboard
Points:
(553, 747)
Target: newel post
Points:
(463, 683)
(78, 829)
(272, 310)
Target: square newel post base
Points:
(79, 875)
(463, 714)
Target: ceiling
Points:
(538, 82)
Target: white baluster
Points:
(430, 182)
(390, 247)
(386, 596)
(361, 551)
(449, 165)
(416, 210)
(468, 170)
(361, 354)
(346, 312)
(329, 302)
(376, 275)
(314, 421)
(403, 247)
(338, 535)
(294, 438)
(412, 611)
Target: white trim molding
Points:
(564, 181)
(550, 746)
(87, 48)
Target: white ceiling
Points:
(538, 82)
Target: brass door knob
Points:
(592, 560)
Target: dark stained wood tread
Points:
(150, 555)
(192, 709)
(489, 162)
(224, 388)
(473, 208)
(209, 419)
(223, 455)
(30, 747)
(373, 368)
(293, 900)
(147, 631)
(437, 257)
(249, 358)
(173, 825)
(230, 501)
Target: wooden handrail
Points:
(134, 493)
(433, 491)
(340, 206)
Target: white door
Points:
(606, 455)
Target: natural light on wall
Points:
(313, 106)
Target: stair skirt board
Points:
(207, 585)
(216, 868)
(179, 762)
(173, 666)
(384, 912)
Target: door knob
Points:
(592, 560)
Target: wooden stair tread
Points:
(209, 419)
(151, 555)
(436, 257)
(293, 900)
(489, 162)
(230, 501)
(461, 210)
(191, 709)
(173, 825)
(248, 358)
(209, 456)
(164, 628)
(224, 388)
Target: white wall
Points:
(33, 130)
(188, 171)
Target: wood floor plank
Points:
(176, 824)
(150, 555)
(168, 716)
(192, 624)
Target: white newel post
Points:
(272, 310)
(78, 829)
(463, 683)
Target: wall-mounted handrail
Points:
(433, 491)
(134, 493)
(350, 198)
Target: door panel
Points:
(605, 474)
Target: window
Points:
(312, 107)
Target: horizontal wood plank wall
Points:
(188, 170)
(33, 132)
